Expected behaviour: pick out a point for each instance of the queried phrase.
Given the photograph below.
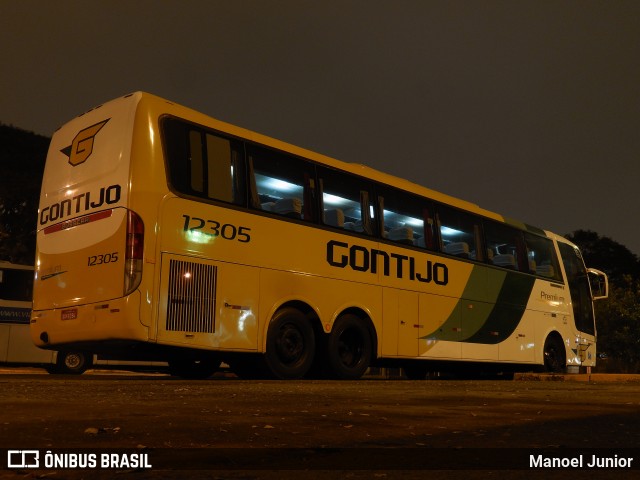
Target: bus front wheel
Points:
(290, 345)
(349, 348)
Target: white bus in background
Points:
(16, 346)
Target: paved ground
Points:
(229, 428)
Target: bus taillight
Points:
(134, 252)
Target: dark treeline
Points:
(22, 157)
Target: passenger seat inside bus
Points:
(545, 270)
(290, 207)
(401, 235)
(505, 260)
(459, 249)
(356, 226)
(334, 217)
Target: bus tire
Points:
(348, 348)
(290, 345)
(72, 362)
(194, 365)
(555, 357)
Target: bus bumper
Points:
(117, 319)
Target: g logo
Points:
(82, 146)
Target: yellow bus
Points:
(162, 229)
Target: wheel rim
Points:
(73, 361)
(350, 347)
(290, 344)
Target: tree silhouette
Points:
(606, 254)
(618, 324)
(22, 157)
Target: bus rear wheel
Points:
(349, 348)
(290, 345)
(555, 357)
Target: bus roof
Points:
(163, 106)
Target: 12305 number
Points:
(95, 260)
(228, 231)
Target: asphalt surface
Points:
(373, 428)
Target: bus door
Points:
(409, 328)
(581, 301)
(400, 310)
(420, 325)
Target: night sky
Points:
(527, 108)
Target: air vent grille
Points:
(191, 303)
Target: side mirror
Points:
(599, 284)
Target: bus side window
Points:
(542, 256)
(196, 162)
(506, 247)
(406, 218)
(281, 184)
(220, 168)
(215, 170)
(459, 233)
(347, 202)
(203, 164)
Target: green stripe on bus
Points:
(482, 289)
(489, 309)
(478, 299)
(507, 311)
